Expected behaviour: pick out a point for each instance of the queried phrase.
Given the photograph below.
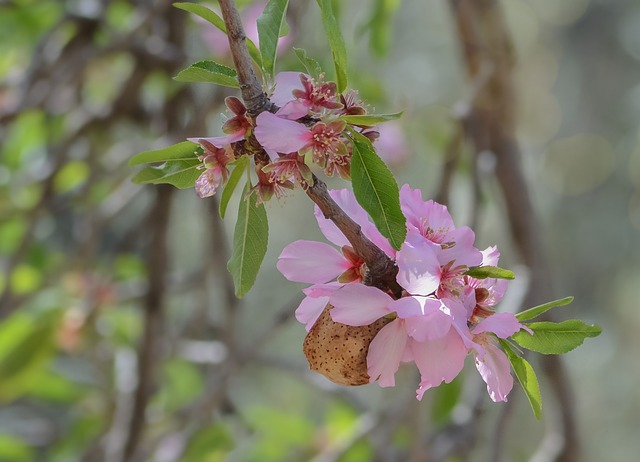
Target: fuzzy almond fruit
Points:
(339, 352)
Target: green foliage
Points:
(249, 242)
(445, 397)
(380, 25)
(25, 279)
(213, 18)
(336, 43)
(72, 175)
(26, 346)
(483, 272)
(552, 338)
(527, 378)
(241, 166)
(376, 190)
(210, 444)
(182, 174)
(210, 72)
(270, 23)
(311, 65)
(369, 120)
(186, 150)
(13, 449)
(182, 383)
(540, 309)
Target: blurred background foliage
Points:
(120, 338)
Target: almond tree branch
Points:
(382, 270)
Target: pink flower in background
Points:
(391, 144)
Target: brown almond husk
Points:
(339, 352)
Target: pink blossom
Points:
(281, 135)
(486, 292)
(214, 162)
(236, 127)
(491, 362)
(391, 144)
(433, 222)
(315, 301)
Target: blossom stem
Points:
(381, 269)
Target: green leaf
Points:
(369, 120)
(538, 310)
(336, 43)
(270, 23)
(249, 242)
(209, 444)
(445, 397)
(483, 272)
(13, 449)
(376, 190)
(211, 72)
(311, 65)
(240, 167)
(181, 151)
(551, 338)
(217, 21)
(527, 378)
(182, 174)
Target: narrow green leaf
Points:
(483, 272)
(211, 72)
(369, 120)
(249, 242)
(270, 23)
(182, 174)
(217, 21)
(538, 310)
(239, 169)
(551, 338)
(336, 43)
(181, 151)
(311, 65)
(527, 378)
(376, 190)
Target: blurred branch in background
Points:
(490, 127)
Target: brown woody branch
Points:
(381, 269)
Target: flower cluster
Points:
(441, 316)
(306, 130)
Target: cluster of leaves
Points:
(374, 186)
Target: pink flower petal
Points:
(293, 110)
(502, 324)
(359, 305)
(207, 183)
(285, 83)
(279, 134)
(423, 317)
(310, 310)
(418, 267)
(496, 372)
(463, 252)
(310, 261)
(346, 200)
(221, 141)
(490, 256)
(385, 353)
(438, 360)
